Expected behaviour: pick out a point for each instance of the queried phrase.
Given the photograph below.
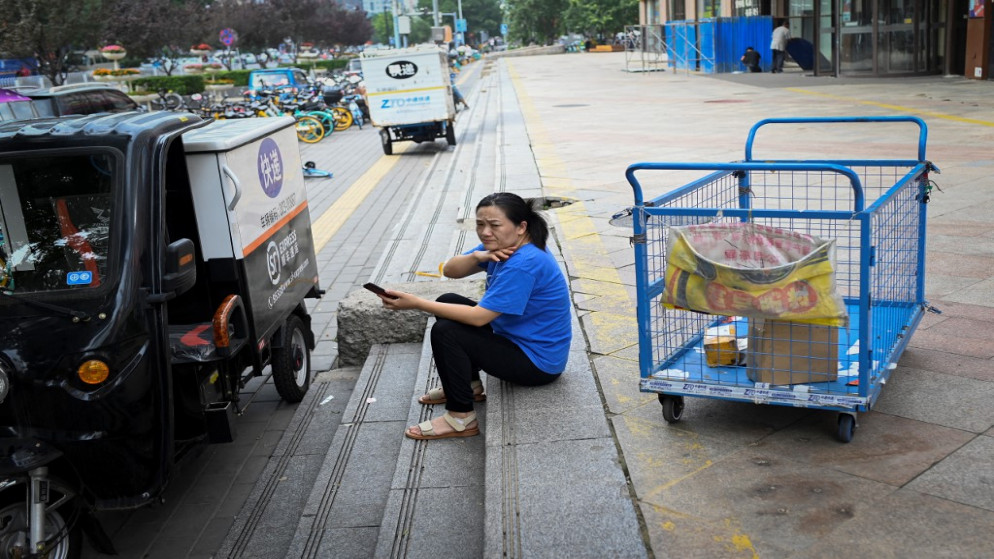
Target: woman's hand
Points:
(400, 301)
(498, 255)
(474, 315)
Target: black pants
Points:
(778, 58)
(461, 351)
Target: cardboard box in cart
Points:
(408, 86)
(784, 352)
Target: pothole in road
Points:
(549, 202)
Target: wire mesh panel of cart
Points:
(874, 210)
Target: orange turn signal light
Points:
(93, 371)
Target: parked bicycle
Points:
(167, 101)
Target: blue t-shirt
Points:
(530, 292)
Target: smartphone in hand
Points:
(378, 290)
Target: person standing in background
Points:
(781, 35)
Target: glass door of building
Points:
(856, 37)
(881, 37)
(900, 49)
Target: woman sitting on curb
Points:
(520, 331)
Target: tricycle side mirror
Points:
(181, 267)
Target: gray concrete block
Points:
(886, 448)
(362, 320)
(908, 524)
(457, 462)
(938, 398)
(384, 361)
(551, 424)
(527, 484)
(445, 521)
(348, 467)
(965, 476)
(784, 506)
(347, 543)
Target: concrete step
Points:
(437, 496)
(380, 494)
(555, 484)
(267, 521)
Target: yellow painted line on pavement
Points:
(900, 108)
(611, 331)
(325, 227)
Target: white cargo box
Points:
(408, 86)
(251, 209)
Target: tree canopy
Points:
(48, 29)
(544, 21)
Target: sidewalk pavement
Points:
(741, 480)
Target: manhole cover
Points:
(571, 105)
(727, 101)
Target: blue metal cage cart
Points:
(875, 211)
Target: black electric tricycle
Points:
(150, 265)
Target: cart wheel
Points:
(450, 133)
(292, 362)
(385, 140)
(672, 407)
(847, 427)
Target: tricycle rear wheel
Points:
(387, 143)
(450, 133)
(292, 362)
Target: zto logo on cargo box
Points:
(399, 102)
(402, 69)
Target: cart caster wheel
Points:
(847, 427)
(672, 407)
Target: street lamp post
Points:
(396, 29)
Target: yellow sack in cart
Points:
(747, 269)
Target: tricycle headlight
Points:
(93, 371)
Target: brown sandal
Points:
(460, 424)
(437, 395)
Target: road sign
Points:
(503, 29)
(228, 36)
(460, 26)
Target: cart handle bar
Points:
(857, 186)
(922, 129)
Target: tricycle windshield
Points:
(55, 221)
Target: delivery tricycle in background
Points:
(409, 94)
(152, 263)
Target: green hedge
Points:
(240, 77)
(183, 85)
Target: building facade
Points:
(863, 37)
